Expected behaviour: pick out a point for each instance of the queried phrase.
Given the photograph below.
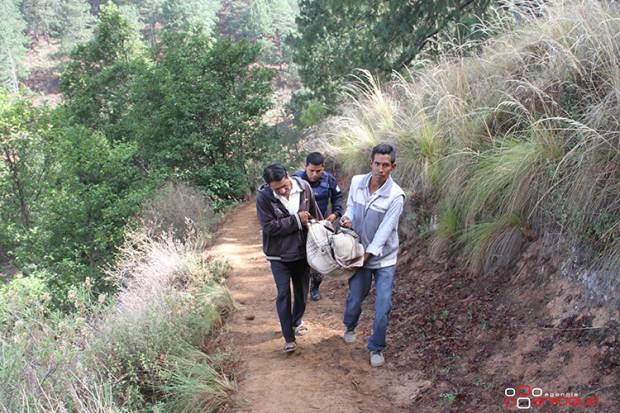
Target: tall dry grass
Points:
(139, 349)
(523, 136)
(178, 209)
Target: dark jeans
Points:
(283, 273)
(315, 280)
(359, 287)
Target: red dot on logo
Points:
(510, 402)
(523, 390)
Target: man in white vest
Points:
(374, 206)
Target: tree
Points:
(337, 36)
(259, 21)
(75, 23)
(67, 193)
(232, 19)
(265, 22)
(96, 188)
(97, 81)
(40, 16)
(172, 14)
(12, 44)
(24, 158)
(178, 13)
(199, 111)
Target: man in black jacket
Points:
(284, 205)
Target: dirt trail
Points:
(324, 374)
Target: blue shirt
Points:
(326, 189)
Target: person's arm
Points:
(389, 222)
(271, 224)
(347, 219)
(313, 208)
(336, 198)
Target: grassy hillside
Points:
(518, 141)
(143, 348)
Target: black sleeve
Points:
(271, 224)
(336, 197)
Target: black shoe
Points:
(315, 294)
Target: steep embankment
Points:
(324, 374)
(473, 336)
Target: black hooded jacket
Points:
(284, 236)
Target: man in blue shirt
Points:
(374, 207)
(325, 189)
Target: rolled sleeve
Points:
(349, 212)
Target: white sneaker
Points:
(377, 359)
(301, 329)
(349, 336)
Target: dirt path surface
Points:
(324, 374)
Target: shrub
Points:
(178, 209)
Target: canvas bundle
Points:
(329, 250)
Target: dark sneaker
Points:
(315, 295)
(377, 359)
(290, 347)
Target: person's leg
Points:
(384, 280)
(300, 275)
(282, 277)
(359, 286)
(315, 281)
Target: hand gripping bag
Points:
(328, 250)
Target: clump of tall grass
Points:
(178, 209)
(143, 346)
(522, 136)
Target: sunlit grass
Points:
(527, 127)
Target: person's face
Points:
(314, 172)
(282, 187)
(381, 167)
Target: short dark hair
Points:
(383, 149)
(274, 172)
(315, 158)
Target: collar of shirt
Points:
(292, 203)
(379, 191)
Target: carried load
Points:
(329, 250)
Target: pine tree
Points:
(12, 41)
(177, 13)
(337, 36)
(232, 19)
(259, 21)
(97, 81)
(75, 23)
(40, 15)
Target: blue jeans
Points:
(359, 286)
